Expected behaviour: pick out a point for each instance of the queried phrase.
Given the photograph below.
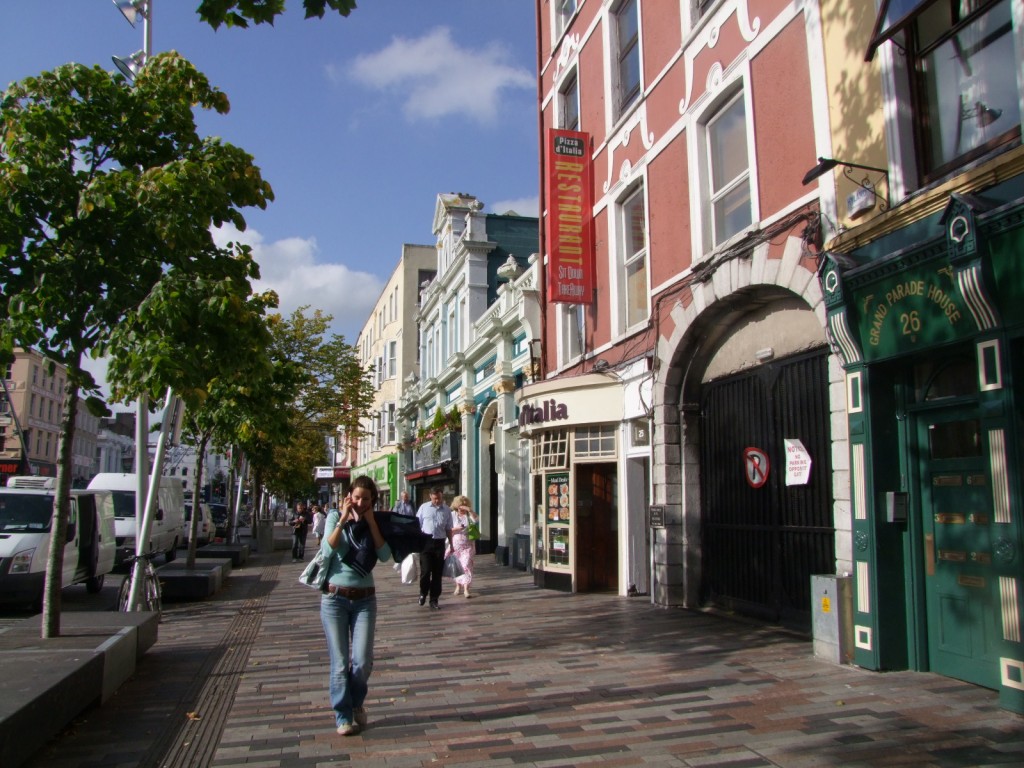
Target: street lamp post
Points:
(133, 10)
(146, 483)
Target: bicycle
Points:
(151, 592)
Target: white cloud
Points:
(294, 269)
(524, 206)
(436, 78)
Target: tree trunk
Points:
(61, 510)
(190, 560)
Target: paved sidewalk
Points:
(520, 677)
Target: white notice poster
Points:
(798, 462)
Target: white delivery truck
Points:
(26, 517)
(166, 533)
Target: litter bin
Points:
(521, 549)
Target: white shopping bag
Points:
(411, 569)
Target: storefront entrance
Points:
(597, 536)
(961, 590)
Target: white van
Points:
(26, 516)
(165, 534)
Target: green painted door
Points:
(961, 590)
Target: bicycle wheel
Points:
(153, 597)
(123, 593)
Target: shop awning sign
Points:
(756, 466)
(798, 462)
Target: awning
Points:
(429, 472)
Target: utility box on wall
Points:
(832, 614)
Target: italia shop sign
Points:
(570, 274)
(549, 410)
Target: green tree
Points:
(334, 391)
(238, 13)
(106, 191)
(208, 341)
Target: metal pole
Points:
(150, 495)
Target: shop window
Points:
(550, 451)
(558, 545)
(594, 442)
(965, 100)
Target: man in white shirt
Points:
(436, 521)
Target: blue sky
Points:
(357, 123)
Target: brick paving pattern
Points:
(518, 676)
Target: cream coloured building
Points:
(389, 345)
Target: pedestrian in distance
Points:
(299, 522)
(463, 547)
(403, 506)
(319, 519)
(436, 522)
(348, 609)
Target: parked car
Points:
(204, 533)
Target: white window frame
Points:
(392, 359)
(703, 236)
(627, 261)
(391, 433)
(730, 186)
(569, 90)
(562, 13)
(619, 103)
(571, 333)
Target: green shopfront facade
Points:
(929, 322)
(384, 472)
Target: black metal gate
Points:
(762, 544)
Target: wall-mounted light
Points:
(826, 164)
(764, 355)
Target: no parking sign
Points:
(755, 466)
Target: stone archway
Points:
(734, 290)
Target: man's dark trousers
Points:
(431, 563)
(299, 543)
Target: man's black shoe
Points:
(435, 606)
(423, 599)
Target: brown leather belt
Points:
(352, 593)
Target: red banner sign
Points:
(570, 274)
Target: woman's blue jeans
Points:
(349, 626)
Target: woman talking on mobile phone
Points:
(352, 546)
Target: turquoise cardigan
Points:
(338, 573)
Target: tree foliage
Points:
(333, 391)
(238, 13)
(107, 196)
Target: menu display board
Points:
(558, 498)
